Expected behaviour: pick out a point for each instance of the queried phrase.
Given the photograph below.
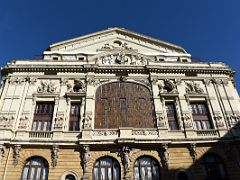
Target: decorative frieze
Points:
(90, 80)
(193, 88)
(105, 132)
(54, 154)
(16, 154)
(192, 151)
(167, 86)
(47, 87)
(145, 132)
(32, 80)
(63, 81)
(17, 80)
(77, 87)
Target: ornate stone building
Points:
(118, 105)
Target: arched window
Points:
(213, 167)
(36, 168)
(146, 168)
(123, 104)
(106, 168)
(70, 177)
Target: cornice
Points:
(144, 69)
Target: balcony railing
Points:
(40, 134)
(210, 132)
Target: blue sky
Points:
(207, 29)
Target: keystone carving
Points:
(47, 87)
(16, 154)
(54, 155)
(193, 88)
(192, 151)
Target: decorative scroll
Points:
(192, 151)
(54, 154)
(193, 88)
(17, 80)
(84, 160)
(47, 87)
(16, 154)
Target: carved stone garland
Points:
(84, 161)
(16, 154)
(167, 86)
(59, 122)
(219, 120)
(54, 154)
(187, 120)
(24, 121)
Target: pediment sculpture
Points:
(115, 45)
(122, 58)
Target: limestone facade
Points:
(74, 71)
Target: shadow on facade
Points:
(221, 160)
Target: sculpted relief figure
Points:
(47, 87)
(193, 88)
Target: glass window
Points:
(213, 167)
(43, 114)
(35, 169)
(201, 116)
(70, 177)
(106, 168)
(74, 117)
(146, 168)
(172, 116)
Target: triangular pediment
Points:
(114, 39)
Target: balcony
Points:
(207, 133)
(40, 135)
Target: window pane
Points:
(136, 173)
(25, 173)
(109, 173)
